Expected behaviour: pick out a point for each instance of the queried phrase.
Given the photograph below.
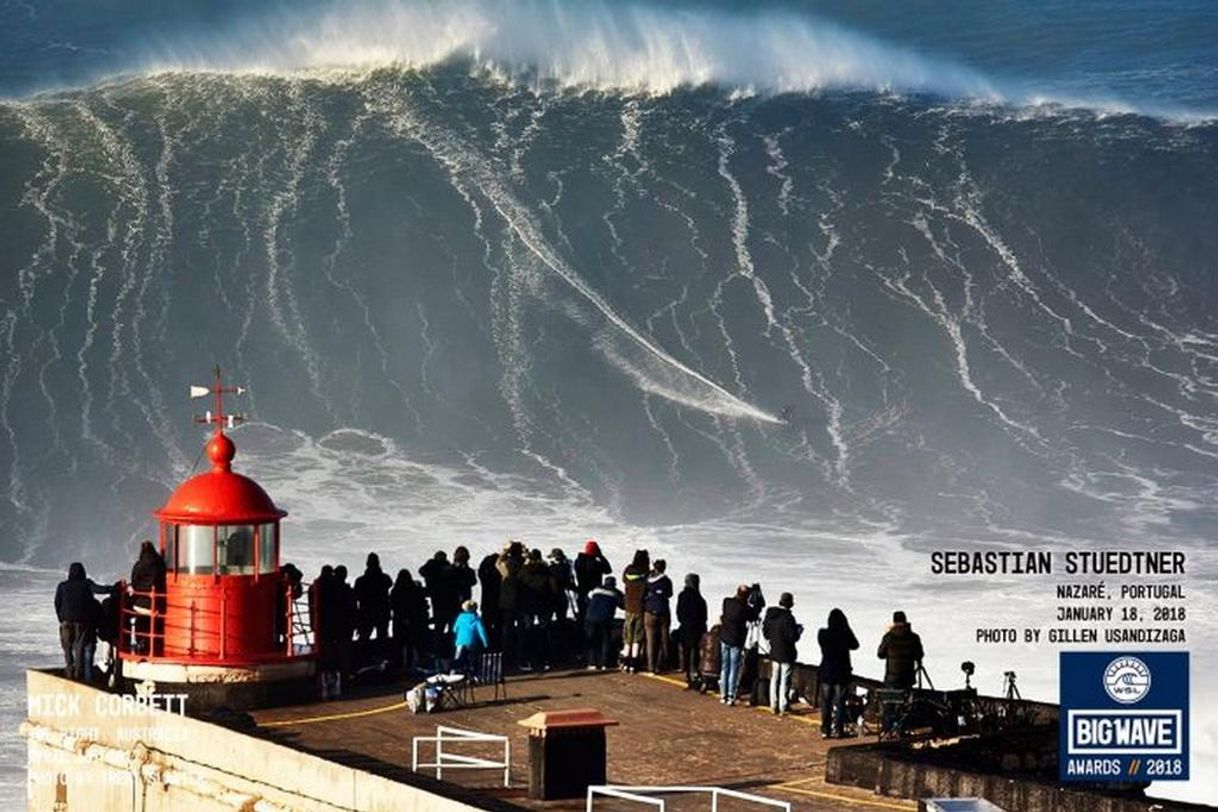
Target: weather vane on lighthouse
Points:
(219, 418)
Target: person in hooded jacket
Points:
(148, 582)
(901, 649)
(657, 616)
(372, 601)
(603, 603)
(634, 581)
(782, 633)
(836, 641)
(733, 629)
(78, 612)
(691, 615)
(591, 567)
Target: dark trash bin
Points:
(566, 752)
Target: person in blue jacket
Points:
(603, 603)
(469, 637)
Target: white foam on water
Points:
(609, 46)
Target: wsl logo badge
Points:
(1124, 716)
(1127, 680)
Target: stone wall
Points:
(897, 773)
(90, 750)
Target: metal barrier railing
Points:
(643, 795)
(459, 761)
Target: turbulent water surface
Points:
(805, 311)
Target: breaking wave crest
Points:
(620, 47)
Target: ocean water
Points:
(788, 292)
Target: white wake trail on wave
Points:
(650, 367)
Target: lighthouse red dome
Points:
(220, 496)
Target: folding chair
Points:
(450, 691)
(894, 710)
(487, 669)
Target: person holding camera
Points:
(782, 633)
(591, 567)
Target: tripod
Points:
(1012, 691)
(921, 674)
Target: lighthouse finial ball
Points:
(220, 450)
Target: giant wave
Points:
(848, 310)
(751, 290)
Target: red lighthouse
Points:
(223, 626)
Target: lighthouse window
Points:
(267, 560)
(194, 549)
(235, 549)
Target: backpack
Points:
(756, 640)
(423, 698)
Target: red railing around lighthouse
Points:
(145, 624)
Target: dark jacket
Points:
(441, 588)
(733, 622)
(344, 614)
(74, 601)
(536, 589)
(562, 582)
(635, 582)
(659, 591)
(463, 580)
(691, 614)
(590, 572)
(902, 649)
(509, 567)
(147, 574)
(409, 606)
(603, 604)
(111, 618)
(489, 577)
(782, 632)
(836, 641)
(372, 595)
